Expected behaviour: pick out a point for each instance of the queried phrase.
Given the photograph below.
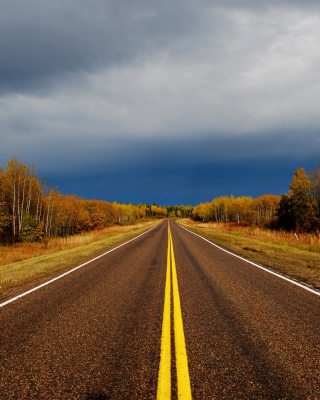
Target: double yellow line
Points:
(164, 378)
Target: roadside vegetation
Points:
(294, 255)
(43, 231)
(280, 232)
(298, 211)
(28, 264)
(30, 211)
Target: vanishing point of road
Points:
(165, 316)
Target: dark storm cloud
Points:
(175, 172)
(40, 41)
(179, 100)
(177, 184)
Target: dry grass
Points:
(295, 255)
(24, 251)
(28, 264)
(303, 241)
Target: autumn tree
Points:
(285, 213)
(23, 195)
(240, 209)
(315, 193)
(5, 220)
(31, 211)
(158, 211)
(302, 201)
(297, 211)
(220, 208)
(203, 212)
(265, 208)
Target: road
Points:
(97, 333)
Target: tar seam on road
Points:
(257, 265)
(164, 378)
(69, 272)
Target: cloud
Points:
(175, 172)
(40, 41)
(176, 88)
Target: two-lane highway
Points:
(249, 334)
(93, 334)
(97, 333)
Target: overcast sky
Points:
(169, 102)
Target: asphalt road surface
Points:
(97, 333)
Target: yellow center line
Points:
(184, 388)
(164, 378)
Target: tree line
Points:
(297, 211)
(244, 209)
(300, 209)
(30, 211)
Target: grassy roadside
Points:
(287, 258)
(28, 273)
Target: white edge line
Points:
(71, 270)
(257, 265)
